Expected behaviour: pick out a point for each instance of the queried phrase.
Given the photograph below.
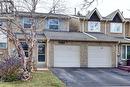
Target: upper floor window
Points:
(116, 27)
(1, 23)
(27, 22)
(93, 26)
(3, 40)
(53, 24)
(3, 45)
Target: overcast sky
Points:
(104, 6)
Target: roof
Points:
(67, 36)
(36, 14)
(78, 36)
(108, 17)
(105, 37)
(88, 16)
(127, 19)
(39, 35)
(112, 15)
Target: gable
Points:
(94, 17)
(117, 18)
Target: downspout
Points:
(87, 33)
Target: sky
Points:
(105, 7)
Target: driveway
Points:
(84, 77)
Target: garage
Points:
(99, 56)
(66, 56)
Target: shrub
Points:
(10, 69)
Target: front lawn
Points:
(40, 79)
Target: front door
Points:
(41, 56)
(126, 52)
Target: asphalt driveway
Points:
(84, 77)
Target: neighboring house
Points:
(111, 38)
(77, 41)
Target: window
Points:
(125, 52)
(3, 45)
(93, 26)
(25, 48)
(116, 27)
(27, 22)
(53, 24)
(1, 23)
(41, 52)
(3, 37)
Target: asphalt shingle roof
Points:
(111, 15)
(67, 36)
(78, 36)
(36, 14)
(105, 37)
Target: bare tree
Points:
(87, 3)
(30, 38)
(58, 6)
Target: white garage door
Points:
(99, 56)
(66, 56)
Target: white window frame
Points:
(113, 25)
(24, 18)
(41, 43)
(5, 45)
(49, 23)
(125, 51)
(3, 38)
(1, 23)
(92, 23)
(25, 50)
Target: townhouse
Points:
(111, 33)
(75, 41)
(53, 22)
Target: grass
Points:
(40, 79)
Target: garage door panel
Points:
(66, 56)
(99, 56)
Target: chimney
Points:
(88, 11)
(122, 12)
(75, 12)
